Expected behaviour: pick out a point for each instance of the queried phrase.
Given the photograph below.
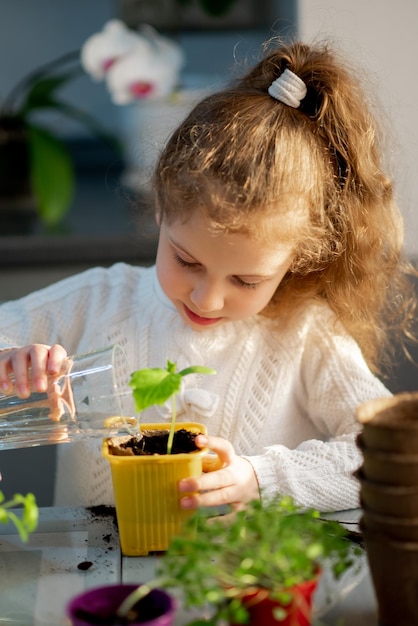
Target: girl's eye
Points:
(242, 283)
(182, 262)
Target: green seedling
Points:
(156, 385)
(28, 521)
(272, 544)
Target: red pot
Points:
(299, 611)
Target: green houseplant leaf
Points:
(52, 174)
(215, 8)
(40, 95)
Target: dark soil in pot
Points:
(108, 618)
(99, 606)
(150, 442)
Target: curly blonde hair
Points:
(319, 169)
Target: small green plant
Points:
(156, 385)
(25, 524)
(273, 545)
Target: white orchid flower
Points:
(165, 48)
(150, 70)
(102, 49)
(133, 78)
(136, 65)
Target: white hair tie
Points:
(288, 88)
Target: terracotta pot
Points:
(146, 493)
(392, 500)
(389, 468)
(99, 605)
(394, 570)
(299, 611)
(390, 424)
(397, 528)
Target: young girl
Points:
(278, 265)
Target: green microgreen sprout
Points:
(272, 544)
(28, 521)
(156, 385)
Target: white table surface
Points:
(38, 578)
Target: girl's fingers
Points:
(56, 356)
(208, 498)
(224, 455)
(211, 463)
(220, 446)
(5, 369)
(45, 361)
(230, 479)
(36, 360)
(29, 367)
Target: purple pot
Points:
(98, 606)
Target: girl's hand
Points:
(228, 480)
(43, 361)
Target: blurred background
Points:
(35, 32)
(107, 219)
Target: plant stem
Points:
(172, 425)
(136, 595)
(34, 76)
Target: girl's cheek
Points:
(171, 280)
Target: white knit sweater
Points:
(286, 400)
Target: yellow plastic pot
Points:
(146, 493)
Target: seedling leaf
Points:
(153, 386)
(156, 386)
(25, 524)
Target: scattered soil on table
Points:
(84, 565)
(101, 511)
(150, 442)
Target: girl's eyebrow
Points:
(176, 245)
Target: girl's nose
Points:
(207, 297)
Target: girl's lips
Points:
(197, 319)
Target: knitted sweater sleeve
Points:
(72, 312)
(318, 472)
